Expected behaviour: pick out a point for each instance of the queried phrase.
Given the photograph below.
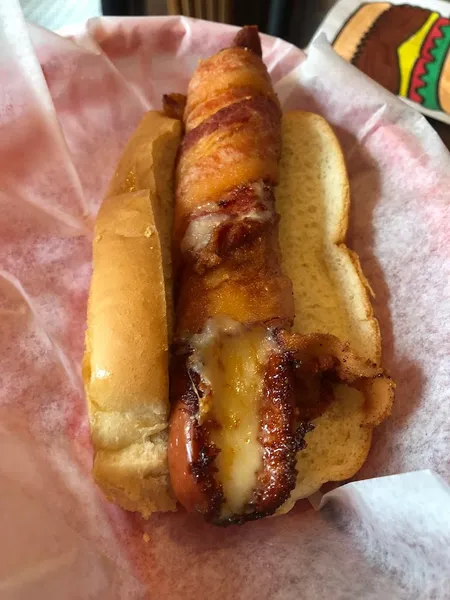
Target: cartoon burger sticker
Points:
(404, 48)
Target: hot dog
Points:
(275, 377)
(244, 386)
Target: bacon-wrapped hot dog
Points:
(242, 385)
(233, 435)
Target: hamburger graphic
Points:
(404, 48)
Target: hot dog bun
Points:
(125, 367)
(148, 163)
(331, 294)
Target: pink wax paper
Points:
(67, 107)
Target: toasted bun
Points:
(330, 291)
(125, 366)
(347, 42)
(148, 163)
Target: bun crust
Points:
(331, 294)
(125, 366)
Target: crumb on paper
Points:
(146, 538)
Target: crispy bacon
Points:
(216, 230)
(279, 437)
(228, 77)
(239, 144)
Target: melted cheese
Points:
(200, 230)
(231, 360)
(202, 227)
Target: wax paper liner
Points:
(62, 130)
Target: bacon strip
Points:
(239, 144)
